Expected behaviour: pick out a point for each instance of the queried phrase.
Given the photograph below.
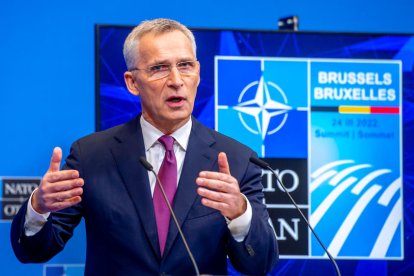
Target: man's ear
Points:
(199, 78)
(131, 83)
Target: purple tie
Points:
(168, 177)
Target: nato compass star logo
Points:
(263, 107)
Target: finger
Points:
(61, 175)
(230, 207)
(219, 206)
(213, 195)
(223, 208)
(65, 185)
(44, 202)
(65, 204)
(66, 195)
(223, 163)
(214, 184)
(55, 160)
(216, 176)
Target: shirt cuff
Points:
(33, 220)
(239, 227)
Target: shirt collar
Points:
(151, 134)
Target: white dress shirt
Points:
(154, 152)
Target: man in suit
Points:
(216, 192)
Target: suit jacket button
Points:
(250, 249)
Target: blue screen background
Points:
(116, 105)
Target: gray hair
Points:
(156, 26)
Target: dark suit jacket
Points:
(119, 217)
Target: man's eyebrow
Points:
(166, 61)
(159, 61)
(187, 59)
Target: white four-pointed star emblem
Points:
(263, 108)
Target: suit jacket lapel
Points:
(199, 156)
(127, 150)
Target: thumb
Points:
(223, 163)
(55, 160)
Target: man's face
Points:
(167, 102)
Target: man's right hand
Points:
(58, 189)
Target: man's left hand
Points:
(220, 190)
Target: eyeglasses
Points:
(159, 71)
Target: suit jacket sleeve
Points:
(52, 238)
(258, 253)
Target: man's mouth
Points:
(175, 99)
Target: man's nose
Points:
(174, 78)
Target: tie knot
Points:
(167, 141)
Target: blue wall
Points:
(47, 60)
(47, 56)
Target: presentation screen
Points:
(332, 113)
